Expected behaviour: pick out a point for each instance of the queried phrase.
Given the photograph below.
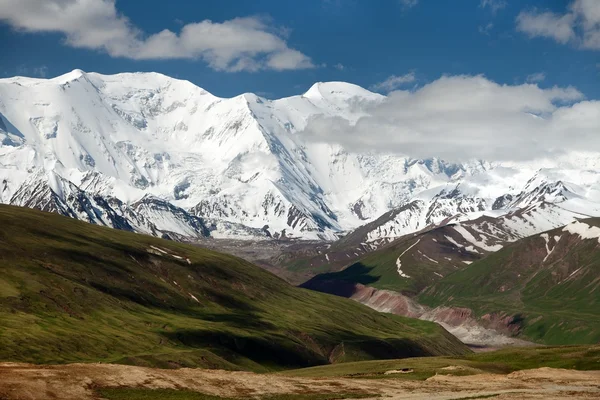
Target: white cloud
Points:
(536, 77)
(470, 117)
(289, 59)
(339, 67)
(239, 44)
(494, 5)
(547, 24)
(394, 82)
(579, 25)
(589, 14)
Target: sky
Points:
(280, 48)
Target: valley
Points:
(74, 286)
(155, 155)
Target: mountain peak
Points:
(69, 76)
(340, 91)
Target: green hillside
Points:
(548, 290)
(425, 258)
(71, 291)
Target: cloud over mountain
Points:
(467, 117)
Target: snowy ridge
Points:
(488, 223)
(162, 156)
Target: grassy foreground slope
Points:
(547, 286)
(71, 291)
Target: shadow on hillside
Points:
(271, 351)
(342, 283)
(84, 261)
(239, 320)
(287, 351)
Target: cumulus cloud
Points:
(580, 24)
(470, 117)
(394, 82)
(547, 24)
(240, 44)
(536, 77)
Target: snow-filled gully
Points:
(399, 262)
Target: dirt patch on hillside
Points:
(80, 381)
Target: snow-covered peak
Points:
(339, 91)
(69, 76)
(59, 80)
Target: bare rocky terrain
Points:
(271, 255)
(81, 381)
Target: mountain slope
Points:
(476, 234)
(234, 160)
(430, 253)
(546, 286)
(97, 145)
(544, 202)
(71, 291)
(407, 265)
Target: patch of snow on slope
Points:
(548, 249)
(454, 242)
(399, 261)
(470, 249)
(583, 230)
(430, 259)
(471, 239)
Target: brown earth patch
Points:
(80, 381)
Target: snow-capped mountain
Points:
(152, 154)
(495, 212)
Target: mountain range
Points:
(148, 153)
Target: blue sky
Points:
(550, 42)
